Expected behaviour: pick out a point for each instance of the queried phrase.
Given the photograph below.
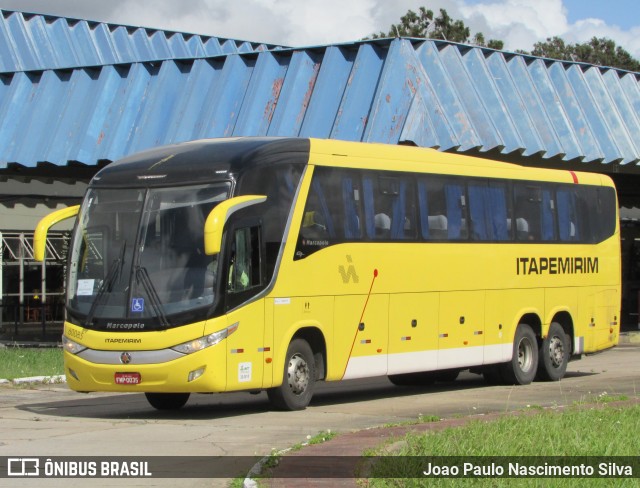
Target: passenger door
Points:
(244, 278)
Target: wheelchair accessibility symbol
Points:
(137, 305)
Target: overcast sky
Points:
(519, 23)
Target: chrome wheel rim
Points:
(298, 374)
(525, 355)
(556, 351)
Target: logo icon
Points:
(125, 358)
(137, 305)
(23, 467)
(350, 273)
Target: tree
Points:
(424, 25)
(478, 40)
(600, 51)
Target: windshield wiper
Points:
(107, 284)
(142, 276)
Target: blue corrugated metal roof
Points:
(39, 42)
(434, 93)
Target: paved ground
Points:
(51, 420)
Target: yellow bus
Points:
(274, 263)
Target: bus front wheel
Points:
(298, 380)
(554, 354)
(167, 401)
(522, 368)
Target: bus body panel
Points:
(160, 369)
(246, 348)
(361, 335)
(166, 377)
(384, 307)
(461, 329)
(503, 313)
(413, 332)
(292, 314)
(141, 341)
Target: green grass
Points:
(601, 432)
(274, 458)
(18, 362)
(319, 438)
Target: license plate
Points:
(128, 378)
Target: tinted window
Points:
(442, 204)
(569, 226)
(534, 212)
(389, 207)
(488, 211)
(346, 205)
(279, 183)
(332, 213)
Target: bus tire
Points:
(298, 380)
(522, 368)
(554, 354)
(167, 401)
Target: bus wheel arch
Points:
(314, 337)
(564, 320)
(523, 366)
(555, 348)
(304, 364)
(532, 320)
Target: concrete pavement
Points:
(51, 420)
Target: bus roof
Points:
(208, 159)
(200, 161)
(413, 159)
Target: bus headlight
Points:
(206, 341)
(71, 346)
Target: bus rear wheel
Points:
(522, 368)
(298, 380)
(554, 354)
(167, 401)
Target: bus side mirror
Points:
(214, 225)
(40, 234)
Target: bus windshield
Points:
(138, 255)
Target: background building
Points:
(76, 95)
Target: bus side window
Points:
(317, 222)
(599, 205)
(548, 221)
(351, 207)
(403, 209)
(488, 211)
(568, 224)
(433, 208)
(331, 212)
(456, 210)
(389, 207)
(528, 212)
